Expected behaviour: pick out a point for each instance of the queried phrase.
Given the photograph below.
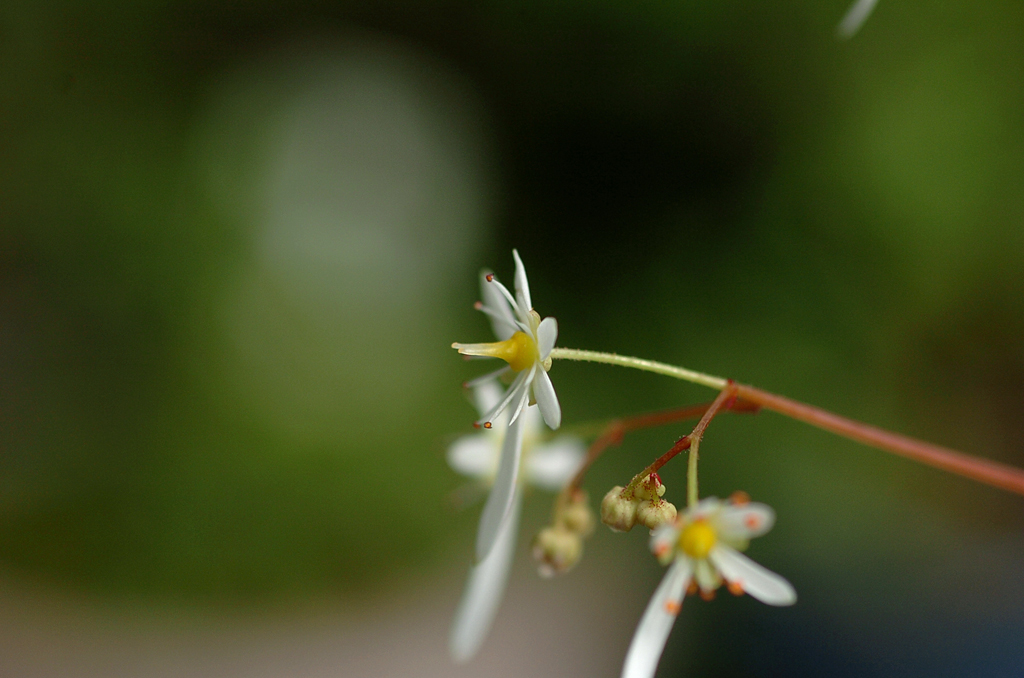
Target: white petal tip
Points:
(756, 580)
(784, 598)
(547, 400)
(547, 335)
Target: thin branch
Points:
(986, 471)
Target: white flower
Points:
(703, 545)
(525, 344)
(548, 465)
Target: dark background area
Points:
(236, 240)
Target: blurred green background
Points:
(236, 240)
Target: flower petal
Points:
(547, 401)
(759, 582)
(486, 392)
(522, 285)
(663, 542)
(547, 335)
(652, 632)
(704, 508)
(499, 502)
(855, 18)
(484, 590)
(525, 396)
(513, 391)
(706, 576)
(496, 306)
(483, 379)
(746, 521)
(553, 465)
(474, 455)
(533, 426)
(662, 536)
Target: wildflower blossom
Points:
(547, 465)
(703, 544)
(526, 342)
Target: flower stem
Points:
(614, 431)
(986, 471)
(724, 398)
(692, 495)
(640, 364)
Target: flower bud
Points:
(617, 512)
(577, 515)
(654, 514)
(556, 549)
(650, 487)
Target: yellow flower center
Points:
(519, 350)
(697, 539)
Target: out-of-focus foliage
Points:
(237, 239)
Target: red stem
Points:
(614, 432)
(725, 398)
(983, 470)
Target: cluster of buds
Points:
(559, 546)
(621, 509)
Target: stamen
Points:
(508, 295)
(497, 409)
(752, 521)
(735, 588)
(739, 498)
(691, 588)
(525, 397)
(490, 277)
(497, 316)
(672, 607)
(707, 595)
(487, 424)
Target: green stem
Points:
(613, 431)
(691, 475)
(640, 364)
